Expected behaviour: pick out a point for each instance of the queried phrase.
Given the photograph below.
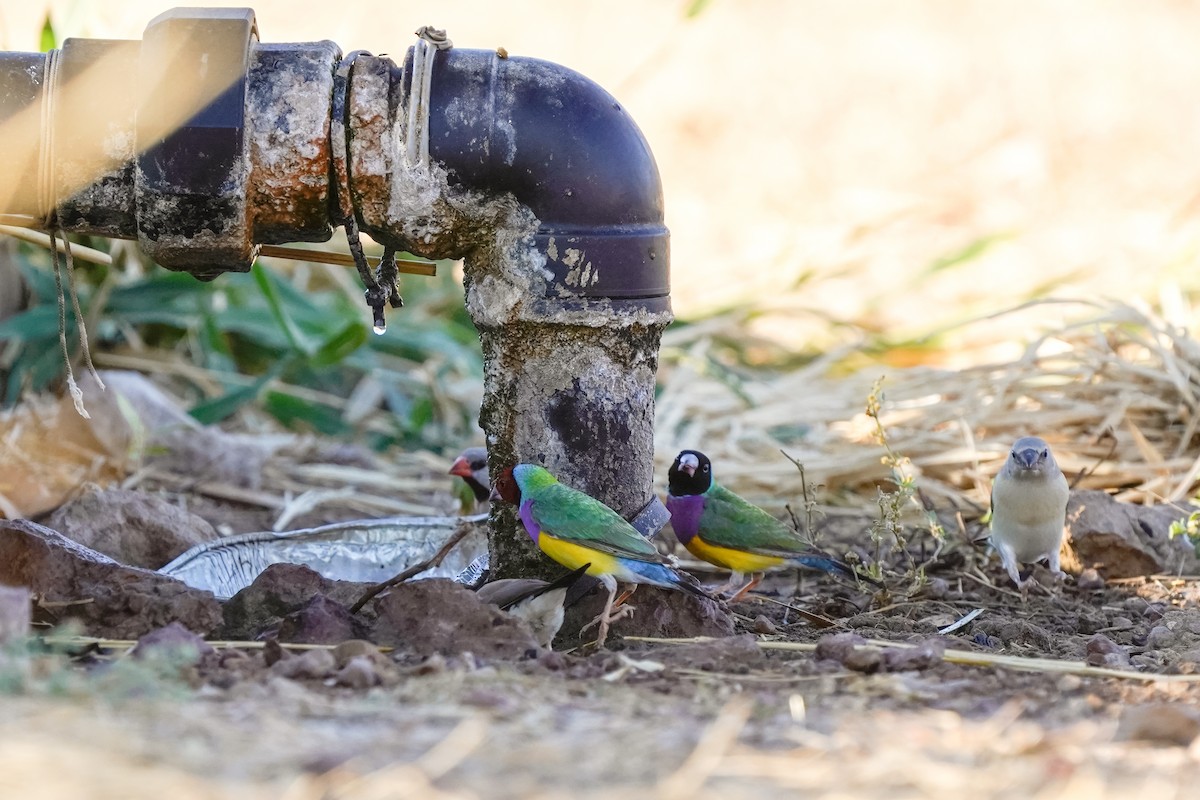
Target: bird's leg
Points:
(1009, 560)
(607, 617)
(1055, 565)
(625, 595)
(755, 580)
(733, 580)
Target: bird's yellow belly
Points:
(574, 556)
(735, 560)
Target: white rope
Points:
(45, 188)
(416, 133)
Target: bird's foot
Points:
(606, 620)
(740, 593)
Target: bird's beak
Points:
(495, 495)
(1027, 458)
(461, 468)
(689, 469)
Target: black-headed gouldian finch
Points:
(1029, 508)
(719, 527)
(540, 603)
(576, 530)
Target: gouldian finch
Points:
(471, 465)
(1029, 508)
(576, 530)
(719, 527)
(540, 603)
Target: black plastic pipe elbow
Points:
(565, 148)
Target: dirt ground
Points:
(837, 159)
(722, 718)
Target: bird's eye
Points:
(1013, 454)
(704, 468)
(1045, 453)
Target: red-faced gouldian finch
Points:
(575, 529)
(719, 527)
(1029, 508)
(471, 465)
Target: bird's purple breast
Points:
(525, 512)
(685, 515)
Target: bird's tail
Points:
(669, 577)
(829, 564)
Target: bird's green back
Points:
(573, 516)
(730, 521)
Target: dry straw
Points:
(1115, 394)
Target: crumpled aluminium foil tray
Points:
(368, 551)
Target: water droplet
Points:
(379, 329)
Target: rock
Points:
(863, 659)
(278, 591)
(764, 626)
(1015, 631)
(1104, 652)
(309, 665)
(320, 621)
(122, 602)
(1122, 540)
(1110, 661)
(135, 528)
(355, 648)
(1160, 637)
(440, 616)
(358, 673)
(273, 652)
(906, 659)
(660, 613)
(1162, 723)
(836, 646)
(174, 641)
(937, 589)
(1136, 605)
(1089, 580)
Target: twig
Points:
(83, 641)
(43, 240)
(415, 569)
(405, 265)
(816, 620)
(1086, 471)
(966, 658)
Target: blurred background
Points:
(863, 187)
(896, 165)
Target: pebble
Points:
(1101, 644)
(863, 659)
(1089, 580)
(355, 648)
(1163, 723)
(1136, 604)
(311, 664)
(1146, 661)
(837, 646)
(1070, 683)
(938, 589)
(764, 626)
(1160, 637)
(358, 673)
